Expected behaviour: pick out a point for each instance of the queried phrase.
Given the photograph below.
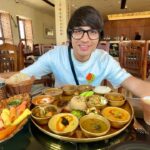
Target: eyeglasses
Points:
(78, 34)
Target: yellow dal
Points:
(94, 125)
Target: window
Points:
(5, 28)
(25, 32)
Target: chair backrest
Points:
(20, 56)
(133, 57)
(40, 49)
(8, 57)
(104, 45)
(26, 57)
(37, 49)
(46, 48)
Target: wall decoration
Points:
(49, 31)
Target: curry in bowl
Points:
(118, 117)
(115, 99)
(69, 89)
(42, 113)
(63, 124)
(94, 125)
(84, 87)
(42, 99)
(55, 92)
(96, 101)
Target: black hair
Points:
(85, 16)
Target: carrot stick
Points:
(12, 114)
(20, 109)
(7, 131)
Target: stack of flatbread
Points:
(17, 78)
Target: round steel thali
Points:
(113, 132)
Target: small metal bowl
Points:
(118, 117)
(94, 125)
(42, 113)
(84, 87)
(57, 124)
(69, 89)
(115, 99)
(55, 92)
(42, 100)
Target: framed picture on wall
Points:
(49, 31)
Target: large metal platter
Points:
(113, 132)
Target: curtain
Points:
(5, 28)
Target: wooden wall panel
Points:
(136, 29)
(147, 32)
(128, 27)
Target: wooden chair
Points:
(133, 57)
(45, 48)
(37, 50)
(26, 56)
(8, 58)
(20, 56)
(104, 45)
(47, 80)
(40, 49)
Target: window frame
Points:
(24, 40)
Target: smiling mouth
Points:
(84, 47)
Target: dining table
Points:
(30, 137)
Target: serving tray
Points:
(112, 132)
(3, 104)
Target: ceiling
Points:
(104, 6)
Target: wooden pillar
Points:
(62, 15)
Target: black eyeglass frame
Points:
(84, 31)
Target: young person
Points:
(91, 65)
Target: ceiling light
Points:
(134, 15)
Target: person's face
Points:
(84, 43)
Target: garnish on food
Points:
(78, 113)
(92, 110)
(63, 122)
(116, 113)
(87, 93)
(15, 102)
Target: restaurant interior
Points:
(29, 29)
